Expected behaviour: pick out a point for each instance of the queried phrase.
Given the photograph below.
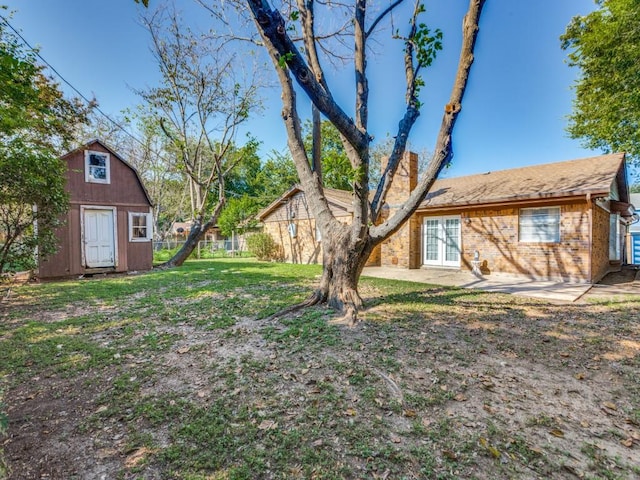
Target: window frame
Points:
(615, 235)
(148, 226)
(539, 233)
(87, 167)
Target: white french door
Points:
(441, 241)
(99, 238)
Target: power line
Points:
(90, 103)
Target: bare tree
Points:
(347, 247)
(201, 103)
(137, 137)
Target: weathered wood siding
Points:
(124, 192)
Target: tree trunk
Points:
(197, 233)
(343, 262)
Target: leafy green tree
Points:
(605, 46)
(298, 48)
(276, 176)
(336, 168)
(238, 215)
(36, 122)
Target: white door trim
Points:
(441, 233)
(114, 213)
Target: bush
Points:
(264, 247)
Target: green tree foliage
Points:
(276, 176)
(336, 168)
(238, 215)
(252, 185)
(605, 46)
(36, 121)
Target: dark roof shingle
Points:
(594, 175)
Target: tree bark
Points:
(347, 247)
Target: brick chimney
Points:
(402, 249)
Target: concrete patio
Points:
(560, 292)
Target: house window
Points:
(140, 227)
(614, 237)
(540, 224)
(97, 167)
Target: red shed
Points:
(109, 226)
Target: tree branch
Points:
(442, 151)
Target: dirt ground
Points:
(564, 378)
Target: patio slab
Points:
(560, 292)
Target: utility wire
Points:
(90, 103)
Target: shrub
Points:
(264, 247)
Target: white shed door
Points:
(99, 242)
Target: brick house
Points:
(563, 221)
(109, 226)
(634, 234)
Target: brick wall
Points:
(600, 250)
(494, 234)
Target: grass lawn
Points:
(180, 374)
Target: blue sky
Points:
(514, 111)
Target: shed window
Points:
(140, 227)
(540, 224)
(97, 167)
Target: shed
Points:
(109, 226)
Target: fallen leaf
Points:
(565, 354)
(268, 425)
(557, 433)
(409, 413)
(317, 443)
(627, 443)
(610, 406)
(449, 454)
(350, 412)
(580, 376)
(460, 398)
(183, 350)
(137, 457)
(494, 451)
(584, 424)
(573, 471)
(395, 438)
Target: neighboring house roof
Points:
(112, 152)
(594, 176)
(342, 198)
